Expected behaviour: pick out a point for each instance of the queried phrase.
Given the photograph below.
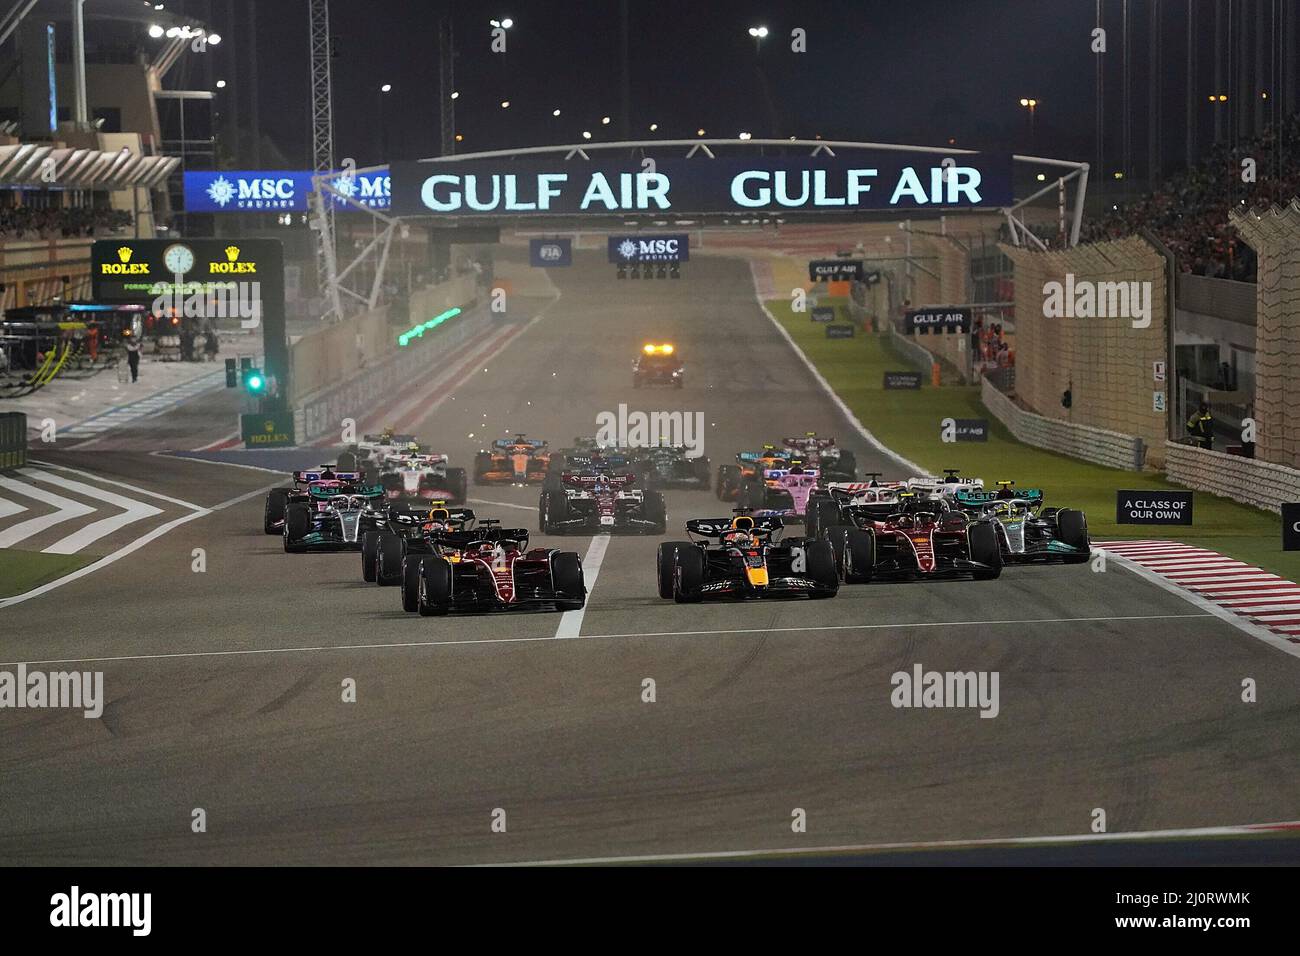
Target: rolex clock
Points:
(178, 259)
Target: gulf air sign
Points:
(865, 181)
(279, 191)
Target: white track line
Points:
(862, 429)
(132, 512)
(1053, 840)
(8, 508)
(403, 645)
(570, 625)
(500, 504)
(120, 484)
(65, 510)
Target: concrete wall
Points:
(1112, 449)
(1251, 482)
(1105, 362)
(1275, 237)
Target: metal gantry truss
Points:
(322, 125)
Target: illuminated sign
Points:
(867, 180)
(279, 191)
(630, 250)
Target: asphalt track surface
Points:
(224, 687)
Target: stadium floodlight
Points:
(653, 127)
(745, 135)
(700, 131)
(505, 104)
(221, 84)
(156, 31)
(555, 112)
(386, 88)
(604, 121)
(455, 94)
(214, 38)
(758, 32)
(586, 134)
(173, 32)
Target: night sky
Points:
(920, 71)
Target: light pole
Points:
(1032, 106)
(383, 121)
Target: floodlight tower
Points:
(322, 116)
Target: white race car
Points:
(412, 476)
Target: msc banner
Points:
(874, 179)
(277, 190)
(548, 253)
(630, 250)
(1153, 506)
(937, 319)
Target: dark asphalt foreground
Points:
(224, 687)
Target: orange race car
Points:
(518, 460)
(748, 470)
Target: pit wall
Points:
(342, 351)
(1107, 364)
(1275, 237)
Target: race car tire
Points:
(458, 485)
(688, 576)
(665, 565)
(1072, 529)
(433, 590)
(636, 381)
(728, 482)
(297, 521)
(848, 464)
(369, 555)
(982, 539)
(838, 536)
(273, 512)
(566, 577)
(751, 495)
(347, 461)
(553, 505)
(679, 381)
(656, 510)
(823, 514)
(482, 465)
(412, 568)
(822, 569)
(859, 555)
(702, 472)
(388, 567)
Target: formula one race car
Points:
(333, 519)
(745, 563)
(948, 486)
(367, 455)
(1026, 530)
(278, 499)
(827, 503)
(601, 502)
(749, 467)
(453, 565)
(658, 365)
(834, 463)
(412, 477)
(784, 492)
(587, 457)
(421, 531)
(913, 536)
(517, 460)
(670, 466)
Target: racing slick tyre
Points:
(433, 590)
(369, 555)
(728, 482)
(859, 555)
(666, 563)
(656, 510)
(554, 506)
(412, 568)
(822, 569)
(566, 577)
(751, 495)
(838, 536)
(822, 514)
(347, 461)
(848, 464)
(458, 485)
(482, 465)
(688, 576)
(388, 567)
(1072, 529)
(273, 512)
(297, 522)
(702, 473)
(982, 539)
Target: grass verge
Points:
(908, 422)
(20, 571)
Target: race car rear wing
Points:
(590, 481)
(978, 499)
(716, 527)
(320, 474)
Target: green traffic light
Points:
(254, 382)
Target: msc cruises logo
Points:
(627, 248)
(221, 191)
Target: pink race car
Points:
(784, 492)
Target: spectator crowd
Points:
(1189, 212)
(55, 222)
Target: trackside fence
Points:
(1247, 480)
(13, 440)
(1098, 445)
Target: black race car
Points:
(333, 518)
(669, 466)
(600, 503)
(745, 563)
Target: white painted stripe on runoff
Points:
(1250, 829)
(570, 625)
(132, 512)
(65, 509)
(121, 484)
(847, 412)
(758, 631)
(8, 508)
